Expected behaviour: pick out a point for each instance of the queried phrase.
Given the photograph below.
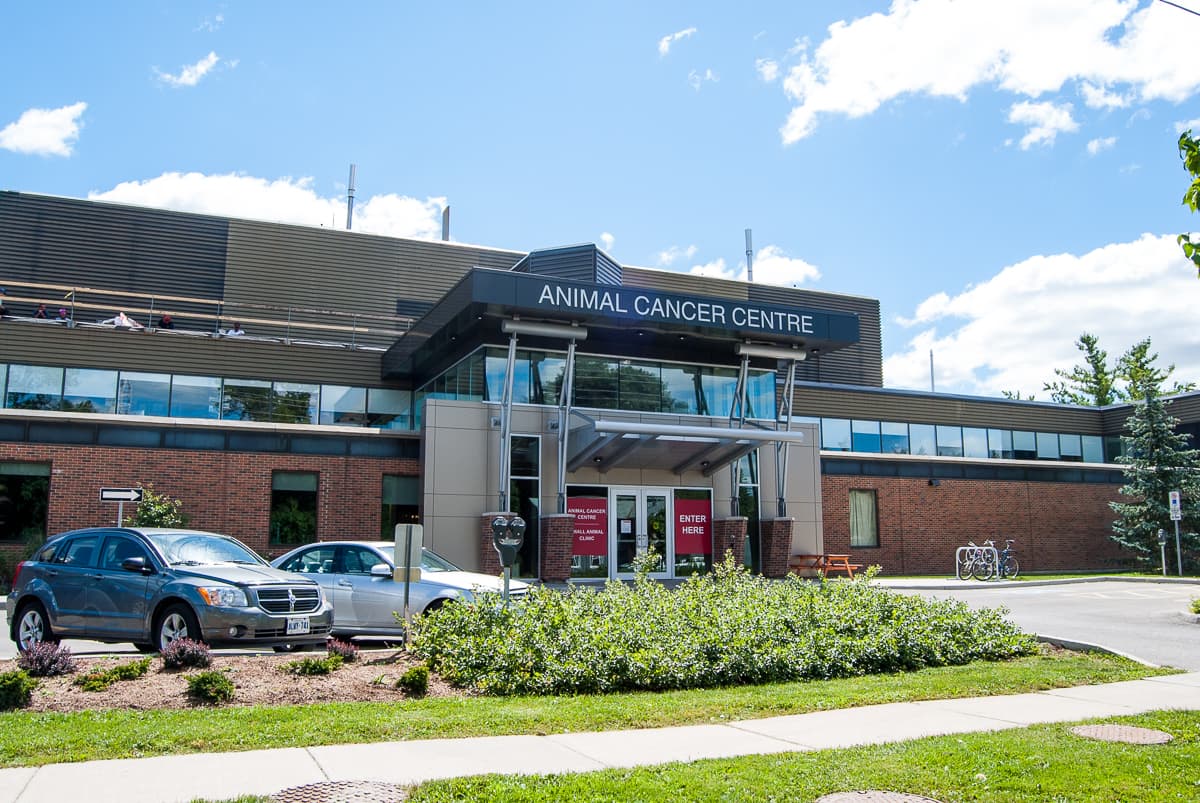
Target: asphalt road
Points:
(1147, 620)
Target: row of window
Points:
(93, 390)
(898, 437)
(25, 502)
(606, 383)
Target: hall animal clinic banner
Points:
(591, 524)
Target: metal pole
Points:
(120, 513)
(781, 450)
(507, 578)
(1162, 548)
(1178, 551)
(407, 581)
(564, 420)
(506, 424)
(737, 411)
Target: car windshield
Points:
(430, 561)
(203, 548)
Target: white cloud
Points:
(771, 266)
(44, 132)
(212, 25)
(1186, 125)
(1096, 145)
(664, 44)
(607, 240)
(1011, 331)
(944, 48)
(191, 74)
(1045, 121)
(696, 78)
(768, 69)
(1098, 97)
(674, 254)
(284, 200)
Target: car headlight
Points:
(224, 596)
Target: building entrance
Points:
(676, 523)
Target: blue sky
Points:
(1001, 176)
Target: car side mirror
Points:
(136, 565)
(381, 570)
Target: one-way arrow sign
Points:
(120, 494)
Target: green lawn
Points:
(1042, 763)
(30, 739)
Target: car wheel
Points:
(33, 627)
(294, 647)
(174, 623)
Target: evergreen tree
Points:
(1136, 367)
(1092, 384)
(1157, 461)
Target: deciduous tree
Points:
(1189, 152)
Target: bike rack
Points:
(958, 559)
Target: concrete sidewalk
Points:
(222, 776)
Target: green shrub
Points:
(313, 666)
(723, 628)
(415, 681)
(1196, 605)
(16, 689)
(346, 649)
(210, 687)
(101, 679)
(45, 659)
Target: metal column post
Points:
(506, 424)
(737, 412)
(781, 450)
(564, 417)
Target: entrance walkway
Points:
(265, 772)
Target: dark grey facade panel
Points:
(180, 353)
(110, 246)
(916, 407)
(352, 273)
(575, 263)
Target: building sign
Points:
(591, 524)
(693, 527)
(613, 301)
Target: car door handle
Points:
(346, 583)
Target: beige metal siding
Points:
(666, 281)
(171, 352)
(936, 409)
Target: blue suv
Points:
(151, 586)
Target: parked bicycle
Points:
(983, 562)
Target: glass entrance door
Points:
(639, 523)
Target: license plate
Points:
(297, 625)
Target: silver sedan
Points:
(357, 578)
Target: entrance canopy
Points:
(606, 445)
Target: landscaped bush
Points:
(210, 687)
(16, 689)
(345, 649)
(313, 666)
(101, 679)
(415, 681)
(1196, 605)
(186, 653)
(724, 628)
(45, 659)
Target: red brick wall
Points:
(226, 492)
(1056, 526)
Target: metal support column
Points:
(781, 447)
(564, 419)
(506, 424)
(737, 415)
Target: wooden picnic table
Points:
(823, 564)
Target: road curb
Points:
(1084, 646)
(949, 585)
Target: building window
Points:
(895, 437)
(864, 519)
(949, 442)
(401, 504)
(195, 396)
(246, 400)
(294, 403)
(389, 409)
(975, 442)
(143, 394)
(748, 506)
(835, 434)
(89, 390)
(24, 500)
(34, 387)
(293, 507)
(343, 406)
(524, 492)
(922, 439)
(864, 436)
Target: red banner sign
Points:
(693, 527)
(591, 524)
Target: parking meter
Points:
(507, 537)
(1162, 548)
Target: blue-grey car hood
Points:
(241, 574)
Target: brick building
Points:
(617, 409)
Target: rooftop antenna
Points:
(749, 258)
(350, 199)
(931, 390)
(446, 224)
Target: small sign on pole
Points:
(121, 496)
(1176, 502)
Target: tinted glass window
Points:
(246, 400)
(78, 552)
(359, 560)
(949, 441)
(195, 396)
(293, 507)
(318, 560)
(835, 434)
(921, 439)
(87, 390)
(389, 409)
(117, 549)
(24, 500)
(1047, 446)
(865, 436)
(1000, 444)
(894, 437)
(1024, 446)
(34, 387)
(143, 394)
(975, 442)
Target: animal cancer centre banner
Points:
(693, 527)
(591, 524)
